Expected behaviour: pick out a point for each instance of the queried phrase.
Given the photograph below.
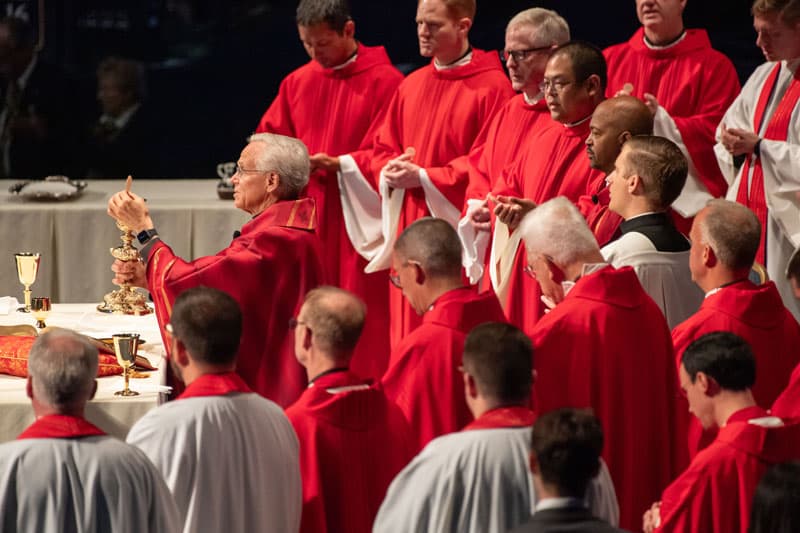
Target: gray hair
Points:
(558, 230)
(63, 368)
(336, 318)
(548, 26)
(732, 231)
(286, 156)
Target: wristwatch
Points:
(145, 235)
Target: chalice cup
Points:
(125, 347)
(27, 269)
(40, 308)
(126, 300)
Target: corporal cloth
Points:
(769, 104)
(423, 376)
(268, 269)
(552, 163)
(715, 493)
(64, 474)
(353, 441)
(477, 480)
(694, 85)
(625, 374)
(229, 456)
(337, 111)
(442, 113)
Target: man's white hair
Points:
(548, 27)
(286, 156)
(558, 230)
(63, 367)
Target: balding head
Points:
(335, 318)
(614, 121)
(62, 367)
(434, 244)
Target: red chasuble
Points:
(715, 493)
(353, 442)
(423, 376)
(338, 112)
(443, 114)
(606, 346)
(268, 269)
(60, 427)
(551, 163)
(694, 83)
(788, 403)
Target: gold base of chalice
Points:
(126, 300)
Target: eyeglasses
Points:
(530, 270)
(547, 86)
(239, 170)
(520, 55)
(394, 277)
(294, 322)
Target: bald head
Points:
(614, 121)
(335, 318)
(434, 244)
(628, 113)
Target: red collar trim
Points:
(748, 413)
(215, 385)
(60, 427)
(503, 417)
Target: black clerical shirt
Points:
(659, 229)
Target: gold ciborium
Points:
(27, 269)
(125, 347)
(40, 308)
(126, 300)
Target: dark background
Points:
(214, 66)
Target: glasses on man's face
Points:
(530, 268)
(520, 55)
(294, 322)
(239, 170)
(557, 86)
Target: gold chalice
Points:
(27, 268)
(125, 347)
(40, 307)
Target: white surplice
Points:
(475, 481)
(780, 161)
(231, 462)
(665, 276)
(94, 484)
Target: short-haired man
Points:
(63, 473)
(353, 440)
(335, 104)
(573, 85)
(715, 493)
(565, 455)
(421, 157)
(762, 128)
(591, 361)
(649, 174)
(423, 376)
(229, 456)
(477, 480)
(531, 35)
(686, 84)
(268, 267)
(787, 405)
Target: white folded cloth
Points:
(8, 305)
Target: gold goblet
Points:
(125, 347)
(27, 269)
(40, 307)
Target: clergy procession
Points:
(561, 295)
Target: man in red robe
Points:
(551, 163)
(788, 403)
(715, 493)
(421, 153)
(423, 376)
(725, 236)
(686, 84)
(353, 440)
(334, 103)
(531, 36)
(604, 346)
(267, 268)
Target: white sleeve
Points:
(361, 208)
(391, 207)
(780, 161)
(501, 261)
(438, 204)
(473, 243)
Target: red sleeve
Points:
(688, 504)
(278, 117)
(788, 403)
(388, 141)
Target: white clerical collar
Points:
(558, 503)
(22, 81)
(588, 268)
(724, 285)
(535, 100)
(641, 215)
(460, 63)
(346, 63)
(652, 46)
(577, 123)
(120, 121)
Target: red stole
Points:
(60, 427)
(215, 385)
(777, 130)
(503, 417)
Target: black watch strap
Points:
(145, 235)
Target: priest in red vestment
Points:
(604, 346)
(551, 163)
(715, 493)
(531, 36)
(421, 153)
(725, 236)
(267, 268)
(686, 84)
(423, 377)
(334, 103)
(353, 440)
